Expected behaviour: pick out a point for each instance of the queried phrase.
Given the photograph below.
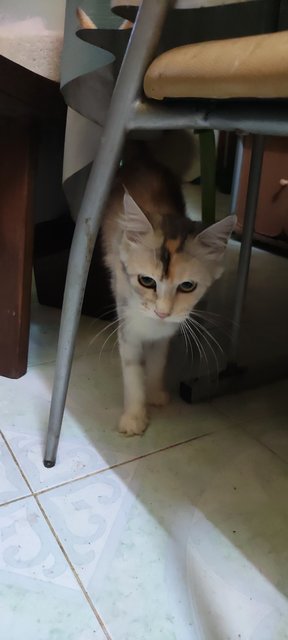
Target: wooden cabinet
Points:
(272, 210)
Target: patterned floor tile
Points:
(188, 544)
(12, 484)
(39, 595)
(89, 440)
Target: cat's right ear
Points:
(134, 221)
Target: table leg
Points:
(16, 234)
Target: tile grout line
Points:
(19, 499)
(55, 536)
(99, 471)
(79, 581)
(16, 462)
(121, 464)
(36, 495)
(262, 444)
(238, 424)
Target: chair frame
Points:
(129, 111)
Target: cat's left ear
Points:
(213, 240)
(135, 223)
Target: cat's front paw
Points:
(133, 424)
(158, 398)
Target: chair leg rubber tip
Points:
(49, 463)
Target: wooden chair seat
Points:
(248, 67)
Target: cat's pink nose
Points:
(161, 314)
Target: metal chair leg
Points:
(246, 245)
(201, 388)
(208, 175)
(236, 174)
(140, 50)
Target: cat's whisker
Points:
(94, 321)
(110, 308)
(190, 343)
(106, 313)
(190, 335)
(221, 318)
(107, 326)
(116, 342)
(212, 350)
(108, 338)
(202, 352)
(201, 348)
(124, 322)
(114, 345)
(212, 323)
(208, 333)
(185, 338)
(204, 331)
(216, 321)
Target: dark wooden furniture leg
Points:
(16, 235)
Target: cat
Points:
(161, 263)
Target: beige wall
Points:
(51, 11)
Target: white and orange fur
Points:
(160, 266)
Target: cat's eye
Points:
(187, 287)
(147, 282)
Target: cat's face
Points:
(169, 270)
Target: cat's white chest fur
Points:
(143, 328)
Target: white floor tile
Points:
(39, 596)
(44, 331)
(12, 484)
(262, 413)
(90, 440)
(188, 544)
